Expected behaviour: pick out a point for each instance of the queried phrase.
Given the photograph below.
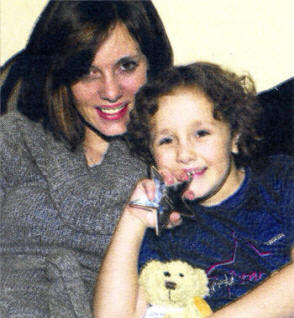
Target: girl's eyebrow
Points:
(165, 131)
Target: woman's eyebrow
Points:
(137, 56)
(125, 58)
(93, 68)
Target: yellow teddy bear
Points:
(174, 290)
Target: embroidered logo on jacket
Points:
(231, 277)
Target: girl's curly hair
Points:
(233, 97)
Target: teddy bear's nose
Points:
(170, 285)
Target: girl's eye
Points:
(201, 133)
(165, 140)
(128, 65)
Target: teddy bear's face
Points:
(173, 283)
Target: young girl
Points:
(200, 120)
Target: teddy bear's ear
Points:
(201, 282)
(149, 267)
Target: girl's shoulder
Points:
(275, 175)
(274, 166)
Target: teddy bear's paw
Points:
(175, 315)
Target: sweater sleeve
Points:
(16, 161)
(51, 204)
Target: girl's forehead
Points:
(188, 98)
(183, 92)
(184, 108)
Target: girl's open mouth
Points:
(195, 172)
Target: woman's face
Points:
(187, 139)
(105, 96)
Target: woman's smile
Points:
(114, 112)
(105, 96)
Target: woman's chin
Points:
(111, 130)
(114, 132)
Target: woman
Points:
(65, 168)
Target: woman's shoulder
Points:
(15, 124)
(14, 119)
(18, 133)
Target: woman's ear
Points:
(235, 142)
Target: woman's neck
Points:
(95, 147)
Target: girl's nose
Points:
(111, 89)
(185, 153)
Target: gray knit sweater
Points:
(57, 217)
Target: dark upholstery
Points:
(278, 122)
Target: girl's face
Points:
(105, 96)
(187, 139)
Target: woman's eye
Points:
(201, 133)
(165, 140)
(92, 74)
(128, 65)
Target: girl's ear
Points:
(235, 141)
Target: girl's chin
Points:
(200, 198)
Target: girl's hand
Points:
(144, 190)
(147, 215)
(177, 177)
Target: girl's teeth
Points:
(190, 173)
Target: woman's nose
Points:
(185, 153)
(111, 89)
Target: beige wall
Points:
(253, 35)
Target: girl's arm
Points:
(117, 293)
(274, 298)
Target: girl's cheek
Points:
(164, 160)
(158, 159)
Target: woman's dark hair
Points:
(60, 51)
(233, 97)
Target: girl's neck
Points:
(233, 184)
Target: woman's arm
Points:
(274, 298)
(117, 293)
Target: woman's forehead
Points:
(118, 44)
